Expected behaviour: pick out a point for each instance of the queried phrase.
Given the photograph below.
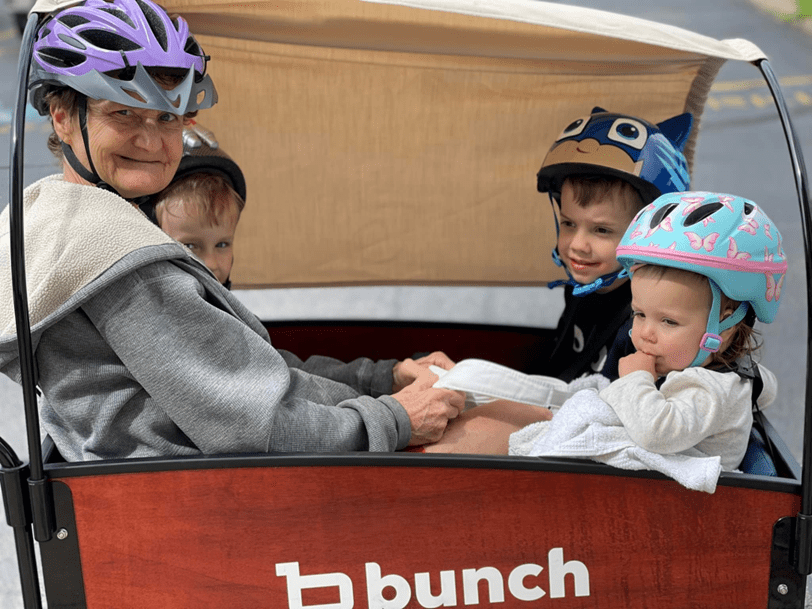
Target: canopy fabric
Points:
(398, 142)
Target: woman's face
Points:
(135, 151)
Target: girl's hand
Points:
(636, 361)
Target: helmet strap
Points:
(711, 341)
(579, 289)
(77, 166)
(87, 175)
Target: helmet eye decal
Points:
(576, 127)
(646, 155)
(661, 214)
(109, 41)
(702, 213)
(630, 132)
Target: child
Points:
(711, 264)
(703, 267)
(202, 205)
(600, 171)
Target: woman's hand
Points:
(404, 373)
(429, 409)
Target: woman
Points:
(140, 350)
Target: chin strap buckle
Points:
(710, 342)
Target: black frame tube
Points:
(41, 503)
(18, 516)
(802, 559)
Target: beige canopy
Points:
(398, 142)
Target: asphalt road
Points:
(741, 150)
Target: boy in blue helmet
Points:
(599, 173)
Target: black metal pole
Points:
(41, 502)
(13, 476)
(802, 559)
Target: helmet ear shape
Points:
(619, 146)
(677, 129)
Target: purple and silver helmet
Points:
(104, 50)
(726, 238)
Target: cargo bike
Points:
(395, 143)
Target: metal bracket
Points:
(787, 586)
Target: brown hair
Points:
(588, 190)
(212, 195)
(745, 339)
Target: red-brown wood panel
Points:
(515, 347)
(335, 537)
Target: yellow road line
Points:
(757, 83)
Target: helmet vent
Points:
(109, 41)
(748, 208)
(192, 47)
(60, 58)
(155, 23)
(73, 20)
(702, 213)
(661, 213)
(118, 13)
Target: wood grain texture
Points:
(213, 538)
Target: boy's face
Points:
(213, 244)
(670, 318)
(588, 236)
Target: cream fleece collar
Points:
(73, 233)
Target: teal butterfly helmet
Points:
(726, 238)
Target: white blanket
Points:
(587, 427)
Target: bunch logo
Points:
(393, 591)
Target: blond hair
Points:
(210, 193)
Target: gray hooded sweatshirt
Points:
(141, 352)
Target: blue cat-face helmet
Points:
(609, 145)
